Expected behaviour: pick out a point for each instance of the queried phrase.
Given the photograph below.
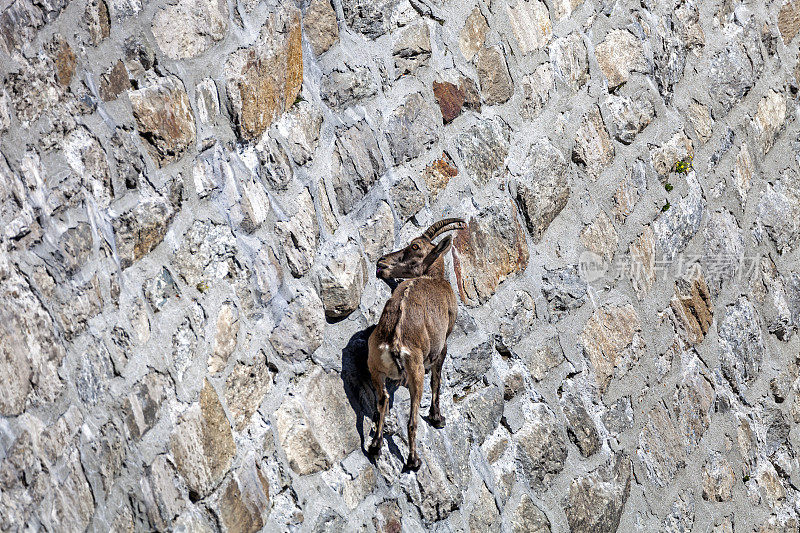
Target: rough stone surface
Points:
(202, 444)
(629, 116)
(411, 129)
(190, 27)
(741, 343)
(593, 146)
(320, 27)
(618, 55)
(412, 49)
(495, 81)
(358, 162)
(450, 99)
(339, 277)
(541, 447)
(473, 33)
(322, 432)
(164, 118)
(193, 195)
(596, 501)
(265, 79)
(483, 149)
(542, 192)
(612, 341)
(531, 24)
(139, 230)
(490, 249)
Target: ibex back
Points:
(411, 335)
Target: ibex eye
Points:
(415, 247)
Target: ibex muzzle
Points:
(411, 335)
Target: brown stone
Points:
(438, 174)
(265, 79)
(64, 59)
(114, 82)
(202, 443)
(98, 21)
(450, 99)
(692, 307)
(239, 510)
(789, 20)
(164, 117)
(491, 248)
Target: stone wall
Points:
(193, 194)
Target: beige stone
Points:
(320, 26)
(769, 119)
(618, 55)
(473, 34)
(692, 307)
(664, 157)
(530, 22)
(202, 443)
(316, 426)
(600, 237)
(190, 27)
(743, 172)
(700, 117)
(612, 341)
(643, 258)
(789, 20)
(245, 389)
(593, 145)
(225, 337)
(495, 81)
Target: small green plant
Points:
(298, 99)
(683, 166)
(666, 206)
(668, 186)
(202, 286)
(746, 478)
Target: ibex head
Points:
(415, 259)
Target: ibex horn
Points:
(446, 224)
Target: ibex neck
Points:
(436, 270)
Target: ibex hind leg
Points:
(434, 415)
(379, 383)
(415, 376)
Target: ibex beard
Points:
(411, 335)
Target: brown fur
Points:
(411, 335)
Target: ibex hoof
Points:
(412, 465)
(374, 449)
(437, 421)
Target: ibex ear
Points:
(441, 248)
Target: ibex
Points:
(411, 335)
